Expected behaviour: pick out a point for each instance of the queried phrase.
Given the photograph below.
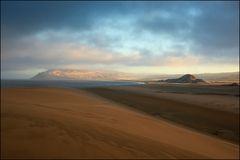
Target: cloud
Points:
(28, 17)
(28, 53)
(40, 51)
(42, 35)
(206, 26)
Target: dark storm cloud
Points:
(217, 24)
(218, 29)
(29, 17)
(211, 26)
(21, 19)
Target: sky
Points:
(133, 37)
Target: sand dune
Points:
(61, 123)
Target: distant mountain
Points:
(75, 74)
(228, 76)
(187, 78)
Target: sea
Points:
(65, 83)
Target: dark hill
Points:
(187, 78)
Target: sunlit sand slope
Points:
(61, 123)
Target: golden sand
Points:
(64, 123)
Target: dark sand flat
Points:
(212, 121)
(65, 123)
(209, 89)
(227, 102)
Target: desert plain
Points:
(117, 122)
